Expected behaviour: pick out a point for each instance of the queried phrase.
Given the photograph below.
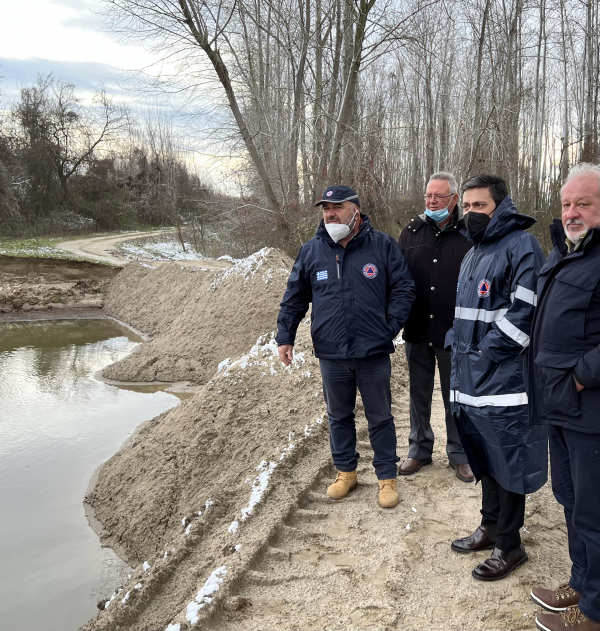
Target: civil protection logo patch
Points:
(369, 270)
(484, 287)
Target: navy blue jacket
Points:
(565, 341)
(361, 295)
(495, 302)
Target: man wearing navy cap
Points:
(361, 293)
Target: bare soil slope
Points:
(221, 502)
(199, 318)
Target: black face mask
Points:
(476, 223)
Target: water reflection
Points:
(57, 424)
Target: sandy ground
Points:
(220, 503)
(104, 249)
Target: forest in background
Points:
(377, 94)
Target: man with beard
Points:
(564, 369)
(361, 293)
(495, 302)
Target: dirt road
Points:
(104, 249)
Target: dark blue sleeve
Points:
(400, 290)
(295, 303)
(510, 335)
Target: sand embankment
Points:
(220, 502)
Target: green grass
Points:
(38, 248)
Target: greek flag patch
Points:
(322, 275)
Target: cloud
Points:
(86, 75)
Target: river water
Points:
(57, 424)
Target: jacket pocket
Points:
(559, 393)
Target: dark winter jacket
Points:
(495, 302)
(433, 257)
(565, 341)
(361, 295)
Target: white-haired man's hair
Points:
(443, 175)
(581, 170)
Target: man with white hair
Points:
(434, 249)
(564, 375)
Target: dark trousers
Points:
(371, 376)
(421, 371)
(575, 468)
(503, 509)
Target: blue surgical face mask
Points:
(438, 215)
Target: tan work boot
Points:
(345, 481)
(388, 494)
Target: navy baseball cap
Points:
(339, 194)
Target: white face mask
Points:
(339, 231)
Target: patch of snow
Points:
(174, 627)
(233, 527)
(247, 269)
(208, 503)
(188, 529)
(200, 513)
(203, 597)
(238, 547)
(398, 341)
(407, 526)
(183, 521)
(146, 566)
(109, 601)
(413, 509)
(126, 598)
(138, 586)
(226, 257)
(259, 486)
(161, 251)
(223, 364)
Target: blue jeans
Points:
(575, 467)
(371, 375)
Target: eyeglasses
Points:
(430, 198)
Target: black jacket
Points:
(495, 303)
(433, 257)
(361, 295)
(565, 341)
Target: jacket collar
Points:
(557, 233)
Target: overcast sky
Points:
(69, 39)
(65, 37)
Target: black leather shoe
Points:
(500, 564)
(484, 538)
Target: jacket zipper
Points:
(337, 263)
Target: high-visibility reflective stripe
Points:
(463, 313)
(496, 400)
(526, 295)
(515, 334)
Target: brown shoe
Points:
(570, 618)
(555, 599)
(500, 564)
(412, 465)
(484, 538)
(345, 481)
(388, 493)
(463, 472)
